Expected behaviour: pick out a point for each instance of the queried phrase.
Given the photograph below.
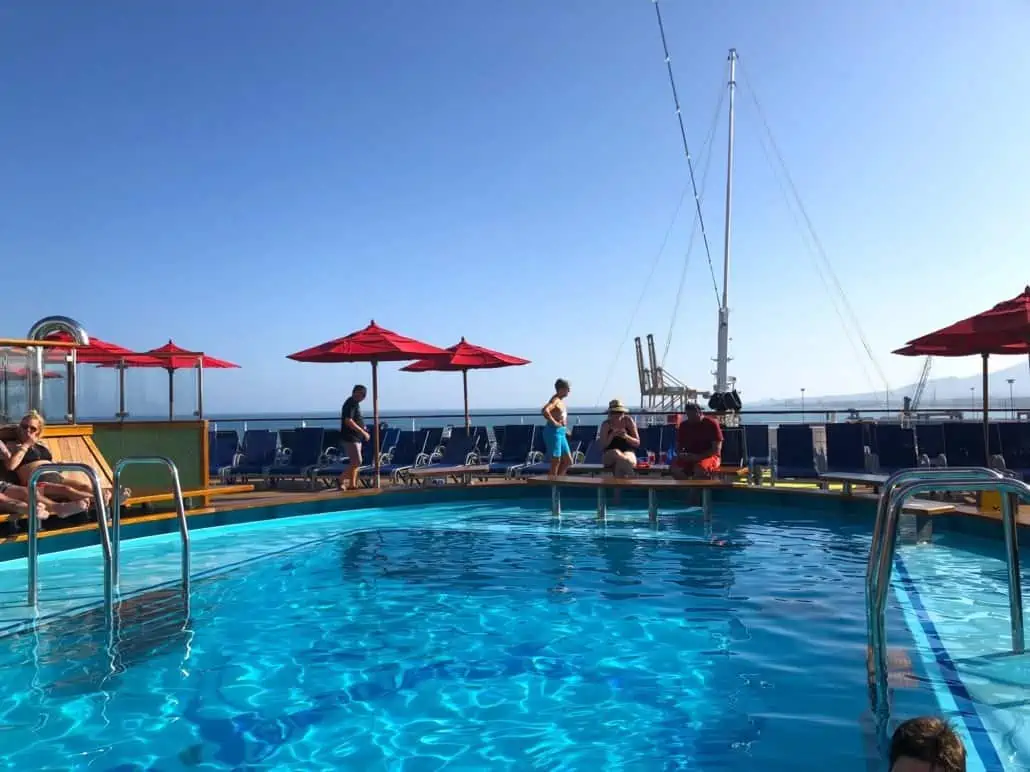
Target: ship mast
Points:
(722, 360)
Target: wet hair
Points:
(931, 740)
(358, 387)
(560, 384)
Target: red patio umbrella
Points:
(464, 356)
(373, 344)
(1007, 321)
(1003, 329)
(171, 358)
(100, 352)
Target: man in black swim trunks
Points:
(352, 434)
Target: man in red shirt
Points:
(698, 446)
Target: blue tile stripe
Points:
(981, 738)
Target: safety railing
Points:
(898, 490)
(180, 511)
(898, 478)
(33, 535)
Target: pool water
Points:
(470, 637)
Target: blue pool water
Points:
(488, 636)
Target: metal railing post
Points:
(33, 535)
(885, 549)
(896, 479)
(180, 511)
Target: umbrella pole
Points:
(465, 386)
(375, 416)
(987, 417)
(122, 415)
(171, 394)
(200, 389)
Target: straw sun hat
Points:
(616, 406)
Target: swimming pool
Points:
(487, 635)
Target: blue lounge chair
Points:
(332, 469)
(457, 461)
(498, 441)
(285, 445)
(733, 446)
(222, 447)
(581, 437)
(1014, 439)
(259, 450)
(930, 444)
(304, 455)
(795, 457)
(894, 448)
(756, 450)
(588, 462)
(964, 443)
(480, 438)
(847, 449)
(401, 457)
(515, 451)
(653, 440)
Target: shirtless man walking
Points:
(556, 438)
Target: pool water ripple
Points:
(473, 638)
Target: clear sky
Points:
(252, 177)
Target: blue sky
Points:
(253, 177)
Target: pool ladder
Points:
(110, 536)
(896, 491)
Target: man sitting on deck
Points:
(698, 446)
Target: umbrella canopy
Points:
(21, 373)
(464, 356)
(171, 358)
(1007, 322)
(1003, 329)
(102, 352)
(373, 344)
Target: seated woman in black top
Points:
(620, 439)
(24, 456)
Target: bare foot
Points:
(69, 508)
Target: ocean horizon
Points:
(816, 413)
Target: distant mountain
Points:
(939, 391)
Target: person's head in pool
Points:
(927, 744)
(561, 388)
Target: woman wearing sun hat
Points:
(619, 438)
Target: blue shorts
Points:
(556, 441)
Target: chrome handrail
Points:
(896, 479)
(180, 511)
(33, 535)
(885, 549)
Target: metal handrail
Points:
(33, 536)
(885, 549)
(180, 510)
(896, 479)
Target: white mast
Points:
(722, 359)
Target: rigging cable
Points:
(707, 165)
(686, 148)
(650, 275)
(816, 241)
(820, 272)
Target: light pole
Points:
(1012, 399)
(802, 404)
(972, 397)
